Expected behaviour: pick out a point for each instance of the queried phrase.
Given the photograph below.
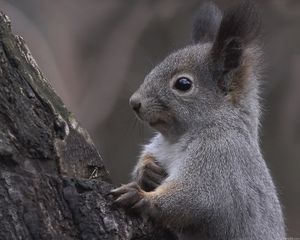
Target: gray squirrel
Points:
(203, 175)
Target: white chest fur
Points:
(169, 155)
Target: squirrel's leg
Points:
(148, 174)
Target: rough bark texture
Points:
(47, 159)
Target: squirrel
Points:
(203, 174)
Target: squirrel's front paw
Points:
(131, 196)
(151, 175)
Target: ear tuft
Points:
(206, 23)
(239, 29)
(240, 24)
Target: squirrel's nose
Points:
(135, 103)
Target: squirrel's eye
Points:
(183, 84)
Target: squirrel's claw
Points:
(149, 184)
(154, 177)
(141, 205)
(151, 176)
(127, 198)
(130, 195)
(124, 188)
(154, 167)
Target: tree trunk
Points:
(53, 181)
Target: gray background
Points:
(95, 54)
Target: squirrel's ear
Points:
(239, 28)
(206, 23)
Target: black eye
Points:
(183, 84)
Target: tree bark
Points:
(53, 181)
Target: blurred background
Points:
(95, 54)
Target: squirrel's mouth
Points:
(157, 122)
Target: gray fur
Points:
(206, 23)
(209, 147)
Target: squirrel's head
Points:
(217, 72)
